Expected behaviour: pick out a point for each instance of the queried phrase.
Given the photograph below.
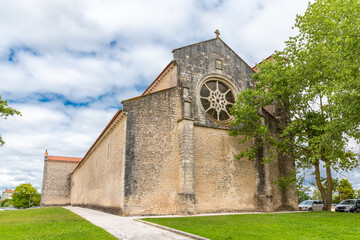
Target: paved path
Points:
(125, 227)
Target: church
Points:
(168, 151)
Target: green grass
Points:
(309, 225)
(48, 223)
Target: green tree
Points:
(302, 193)
(357, 192)
(335, 184)
(315, 83)
(301, 190)
(5, 203)
(25, 195)
(346, 190)
(316, 194)
(6, 111)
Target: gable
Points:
(211, 43)
(166, 79)
(211, 61)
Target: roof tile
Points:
(65, 159)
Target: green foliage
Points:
(309, 225)
(5, 203)
(335, 182)
(343, 190)
(6, 111)
(316, 195)
(301, 190)
(346, 190)
(25, 196)
(302, 194)
(315, 82)
(336, 199)
(357, 194)
(284, 182)
(48, 223)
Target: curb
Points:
(172, 230)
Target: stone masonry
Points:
(56, 180)
(168, 151)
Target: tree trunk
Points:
(318, 181)
(326, 195)
(328, 199)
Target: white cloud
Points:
(62, 130)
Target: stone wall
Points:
(197, 61)
(283, 166)
(167, 79)
(152, 167)
(222, 183)
(164, 155)
(56, 183)
(253, 185)
(98, 182)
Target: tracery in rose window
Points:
(217, 98)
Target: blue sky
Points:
(67, 65)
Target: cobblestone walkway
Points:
(124, 227)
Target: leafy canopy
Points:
(357, 194)
(6, 111)
(5, 203)
(315, 82)
(302, 191)
(25, 196)
(346, 190)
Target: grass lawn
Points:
(48, 223)
(309, 225)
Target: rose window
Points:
(216, 99)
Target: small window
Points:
(96, 161)
(218, 64)
(108, 152)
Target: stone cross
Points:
(217, 33)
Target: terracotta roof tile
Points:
(9, 191)
(270, 58)
(65, 159)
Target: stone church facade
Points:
(168, 151)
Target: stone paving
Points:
(125, 228)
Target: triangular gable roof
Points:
(156, 79)
(210, 40)
(8, 191)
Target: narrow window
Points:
(97, 159)
(108, 152)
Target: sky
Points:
(67, 65)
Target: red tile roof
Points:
(65, 159)
(255, 69)
(9, 191)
